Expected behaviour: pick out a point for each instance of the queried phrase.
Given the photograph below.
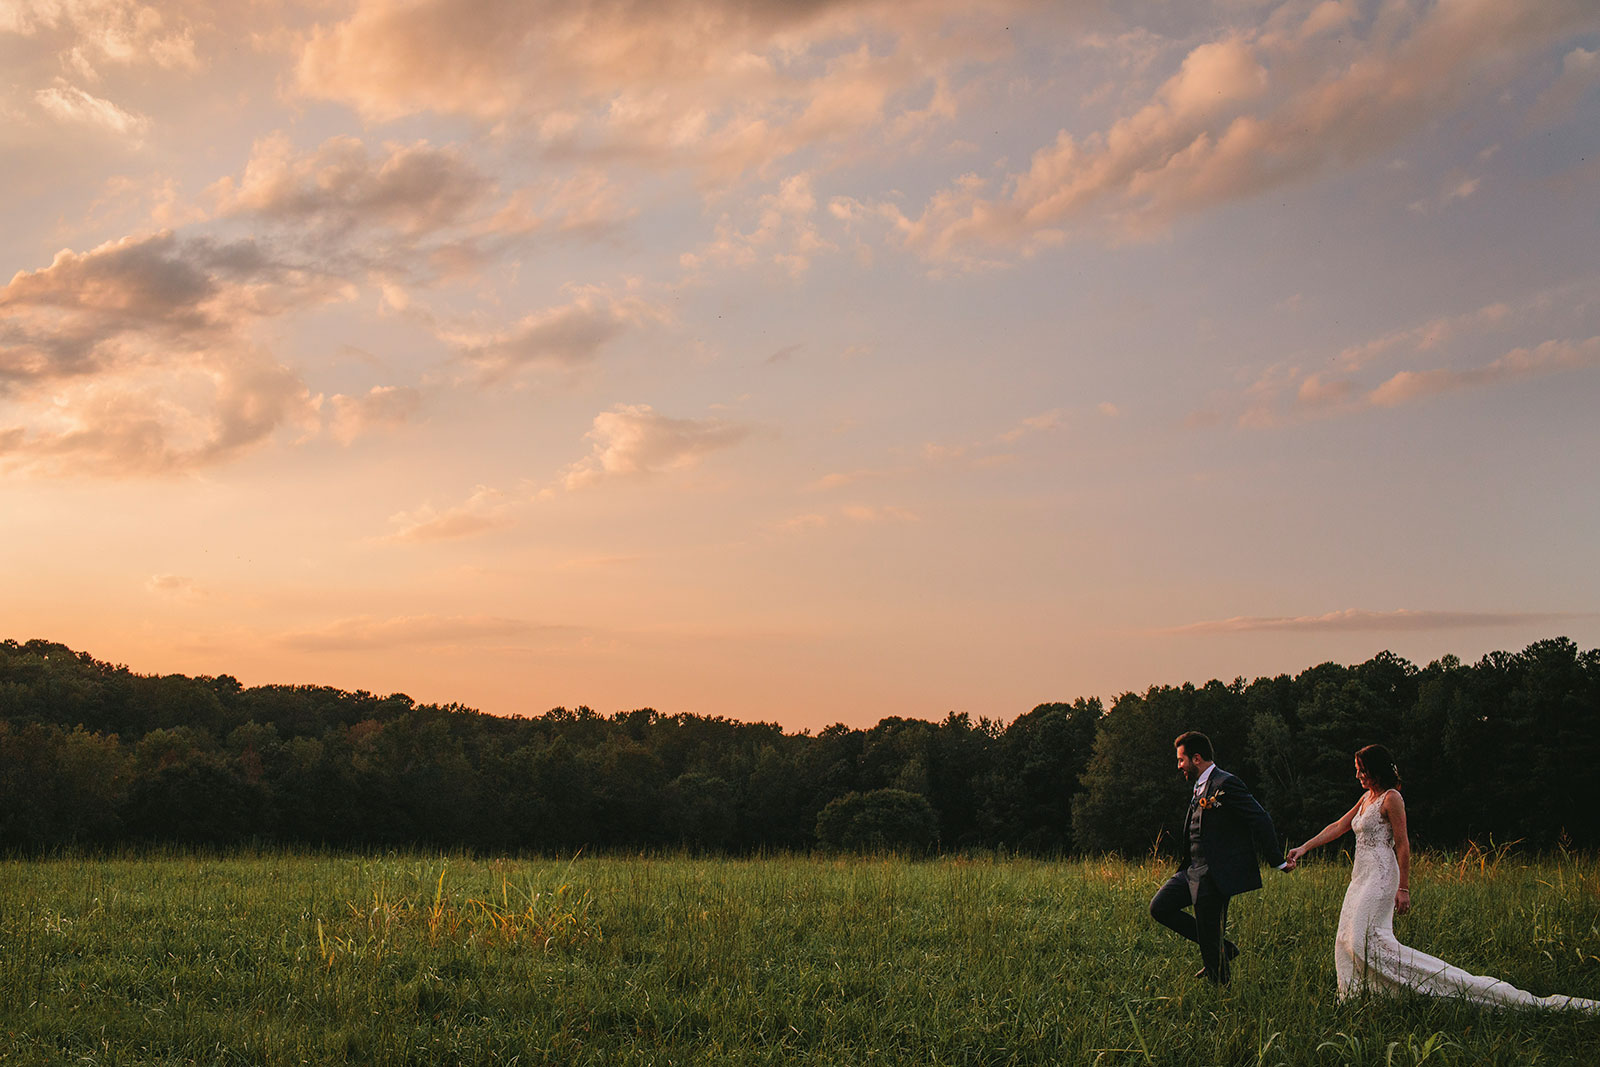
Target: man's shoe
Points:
(1229, 950)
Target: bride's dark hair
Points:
(1378, 765)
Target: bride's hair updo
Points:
(1378, 764)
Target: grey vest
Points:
(1197, 854)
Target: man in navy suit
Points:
(1223, 831)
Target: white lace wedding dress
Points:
(1367, 956)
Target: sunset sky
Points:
(797, 360)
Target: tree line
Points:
(92, 754)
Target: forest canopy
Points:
(94, 754)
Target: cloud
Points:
(1353, 620)
(86, 35)
(723, 86)
(809, 521)
(1251, 111)
(486, 509)
(92, 309)
(370, 633)
(60, 53)
(1050, 420)
(383, 407)
(866, 514)
(173, 585)
(1317, 395)
(131, 423)
(600, 562)
(1455, 188)
(125, 202)
(1518, 365)
(840, 479)
(587, 202)
(934, 452)
(785, 234)
(1344, 383)
(136, 357)
(1580, 72)
(871, 514)
(983, 454)
(1435, 333)
(415, 189)
(561, 337)
(70, 104)
(412, 213)
(1330, 16)
(633, 440)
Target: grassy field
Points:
(425, 959)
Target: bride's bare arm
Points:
(1332, 832)
(1394, 809)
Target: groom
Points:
(1223, 831)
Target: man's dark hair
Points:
(1195, 743)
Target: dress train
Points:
(1368, 957)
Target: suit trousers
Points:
(1205, 927)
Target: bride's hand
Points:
(1294, 854)
(1402, 901)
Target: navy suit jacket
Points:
(1233, 829)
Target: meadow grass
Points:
(429, 959)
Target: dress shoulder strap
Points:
(1381, 798)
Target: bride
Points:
(1365, 953)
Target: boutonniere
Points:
(1207, 803)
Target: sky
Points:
(803, 361)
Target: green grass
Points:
(424, 959)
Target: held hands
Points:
(1293, 856)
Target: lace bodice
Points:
(1372, 828)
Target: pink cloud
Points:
(383, 407)
(785, 234)
(725, 86)
(136, 357)
(1580, 73)
(70, 104)
(634, 440)
(366, 632)
(1285, 392)
(485, 510)
(407, 214)
(85, 37)
(415, 189)
(840, 479)
(561, 337)
(1548, 358)
(1247, 113)
(1353, 620)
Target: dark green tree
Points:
(881, 820)
(1038, 765)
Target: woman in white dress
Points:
(1366, 954)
